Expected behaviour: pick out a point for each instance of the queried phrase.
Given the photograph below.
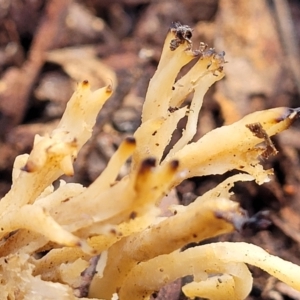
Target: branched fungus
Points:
(119, 219)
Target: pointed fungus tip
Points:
(130, 140)
(294, 113)
(109, 89)
(174, 164)
(29, 167)
(147, 164)
(85, 247)
(78, 244)
(69, 174)
(291, 113)
(24, 169)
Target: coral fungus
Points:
(119, 219)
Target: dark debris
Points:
(87, 277)
(244, 224)
(258, 131)
(183, 34)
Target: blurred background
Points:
(47, 46)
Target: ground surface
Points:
(121, 41)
